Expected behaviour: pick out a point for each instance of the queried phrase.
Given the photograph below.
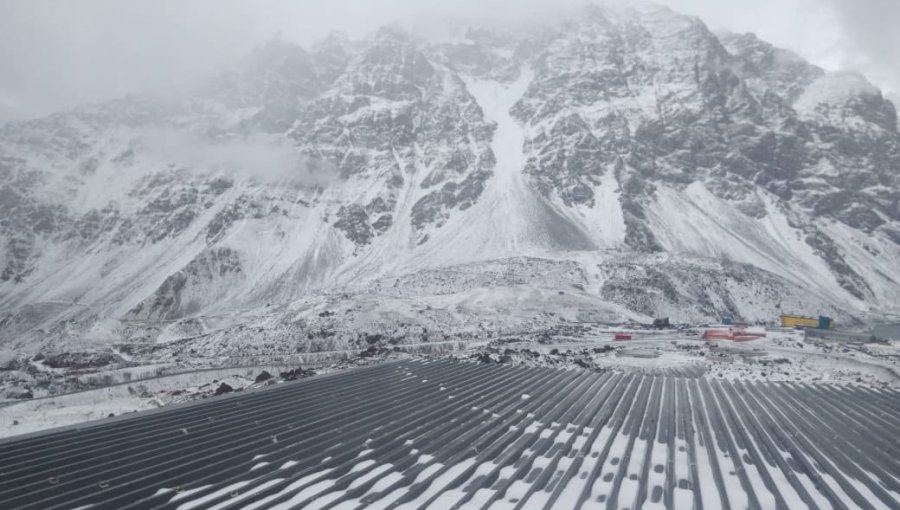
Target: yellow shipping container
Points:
(791, 321)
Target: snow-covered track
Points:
(417, 434)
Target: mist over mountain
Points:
(622, 164)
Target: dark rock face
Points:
(354, 222)
(223, 389)
(435, 207)
(263, 377)
(568, 161)
(769, 68)
(77, 361)
(396, 68)
(727, 116)
(296, 373)
(846, 276)
(176, 297)
(484, 357)
(383, 223)
(394, 100)
(690, 287)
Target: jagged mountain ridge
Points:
(616, 134)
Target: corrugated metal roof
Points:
(442, 434)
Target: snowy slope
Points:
(681, 173)
(696, 222)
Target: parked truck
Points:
(804, 322)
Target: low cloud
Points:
(56, 55)
(255, 158)
(871, 39)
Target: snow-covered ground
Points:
(57, 411)
(782, 356)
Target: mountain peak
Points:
(630, 134)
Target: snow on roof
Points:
(580, 439)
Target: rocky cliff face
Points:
(619, 134)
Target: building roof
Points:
(418, 434)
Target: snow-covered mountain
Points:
(619, 165)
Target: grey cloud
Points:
(59, 54)
(872, 39)
(258, 158)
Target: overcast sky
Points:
(56, 54)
